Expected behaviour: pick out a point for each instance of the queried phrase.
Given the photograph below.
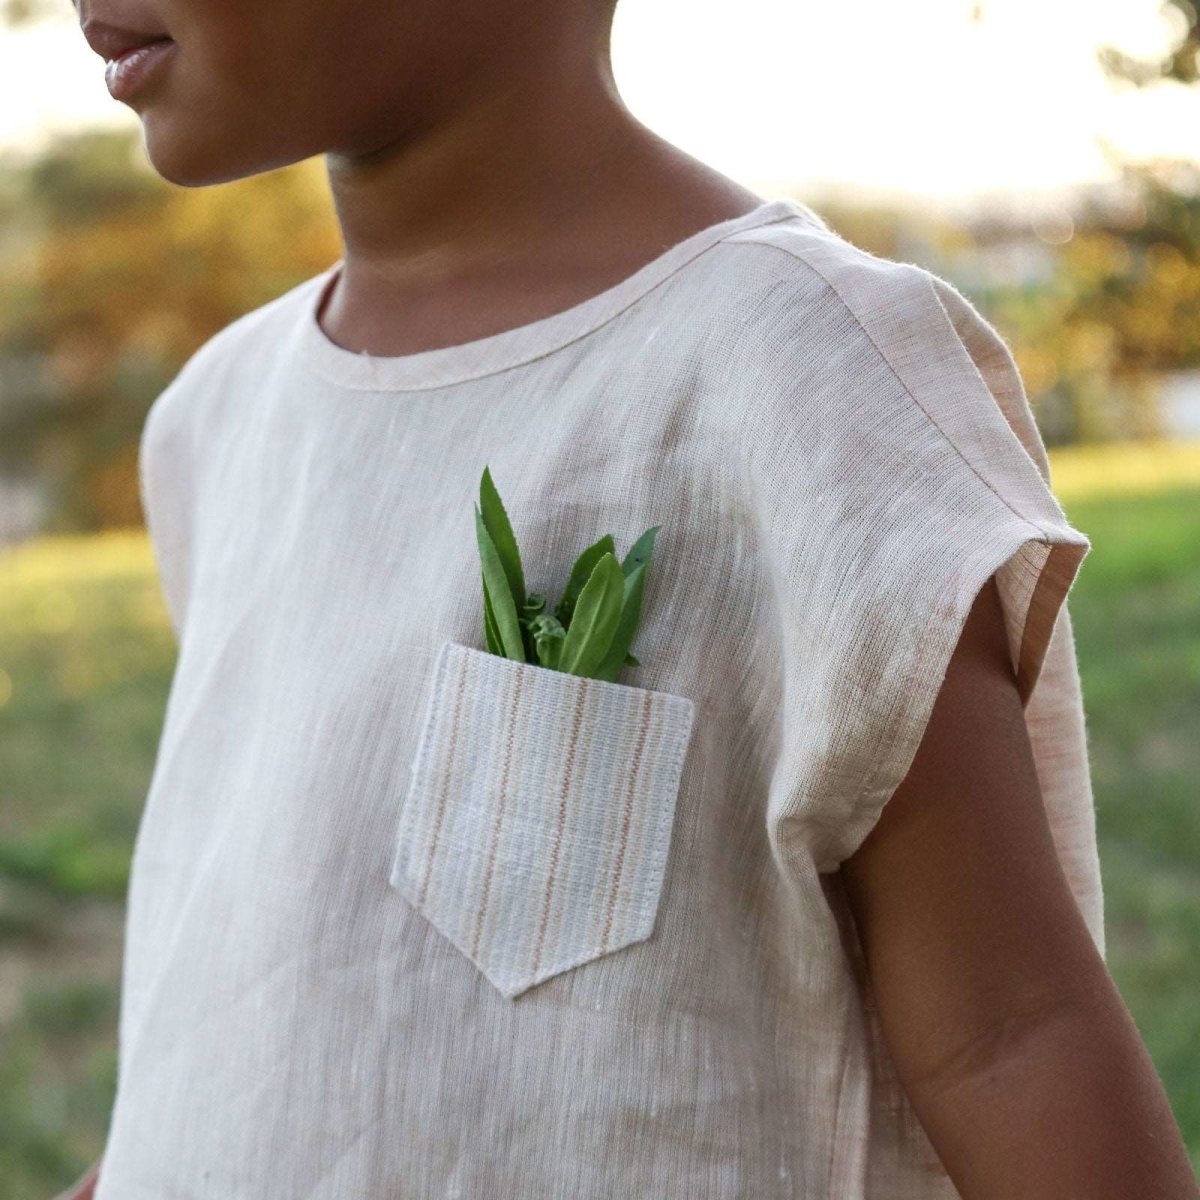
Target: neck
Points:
(535, 188)
(549, 155)
(506, 156)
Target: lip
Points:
(132, 68)
(111, 41)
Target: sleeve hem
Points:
(1035, 566)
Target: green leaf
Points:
(496, 520)
(635, 565)
(489, 623)
(594, 622)
(631, 610)
(579, 576)
(504, 611)
(641, 550)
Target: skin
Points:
(484, 170)
(1007, 1031)
(485, 173)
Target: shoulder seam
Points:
(866, 333)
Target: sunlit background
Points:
(949, 99)
(1044, 155)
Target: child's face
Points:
(253, 86)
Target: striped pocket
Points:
(535, 831)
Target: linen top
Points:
(408, 918)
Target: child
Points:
(345, 976)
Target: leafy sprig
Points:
(593, 624)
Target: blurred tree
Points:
(1181, 63)
(1115, 305)
(113, 279)
(1150, 296)
(1118, 302)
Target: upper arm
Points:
(968, 925)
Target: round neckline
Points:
(446, 365)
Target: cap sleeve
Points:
(903, 471)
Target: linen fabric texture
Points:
(840, 453)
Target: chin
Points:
(192, 158)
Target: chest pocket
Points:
(535, 829)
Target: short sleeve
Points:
(900, 470)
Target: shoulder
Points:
(823, 325)
(250, 344)
(888, 359)
(821, 297)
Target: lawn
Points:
(85, 664)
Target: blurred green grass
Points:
(1136, 614)
(86, 655)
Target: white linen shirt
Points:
(407, 919)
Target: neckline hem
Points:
(446, 365)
